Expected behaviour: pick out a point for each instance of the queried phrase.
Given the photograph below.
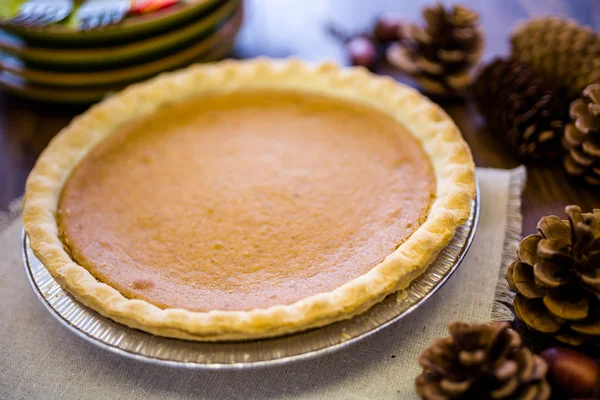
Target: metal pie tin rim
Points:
(143, 346)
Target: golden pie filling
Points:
(245, 200)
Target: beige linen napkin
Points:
(40, 359)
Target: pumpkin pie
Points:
(248, 199)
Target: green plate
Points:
(67, 33)
(22, 88)
(117, 76)
(104, 57)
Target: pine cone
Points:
(520, 109)
(561, 50)
(481, 362)
(582, 137)
(557, 278)
(441, 55)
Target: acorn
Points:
(571, 373)
(362, 51)
(388, 28)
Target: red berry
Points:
(572, 373)
(362, 51)
(387, 28)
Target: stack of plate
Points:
(59, 63)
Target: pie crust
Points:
(449, 155)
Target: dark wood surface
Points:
(280, 28)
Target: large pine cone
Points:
(520, 109)
(440, 56)
(484, 361)
(557, 278)
(582, 137)
(564, 52)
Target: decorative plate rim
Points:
(127, 74)
(19, 48)
(127, 26)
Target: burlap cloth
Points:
(40, 359)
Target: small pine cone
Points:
(557, 278)
(440, 56)
(564, 52)
(486, 361)
(520, 109)
(582, 137)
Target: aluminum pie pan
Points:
(143, 346)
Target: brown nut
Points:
(387, 28)
(362, 51)
(572, 373)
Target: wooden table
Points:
(280, 28)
